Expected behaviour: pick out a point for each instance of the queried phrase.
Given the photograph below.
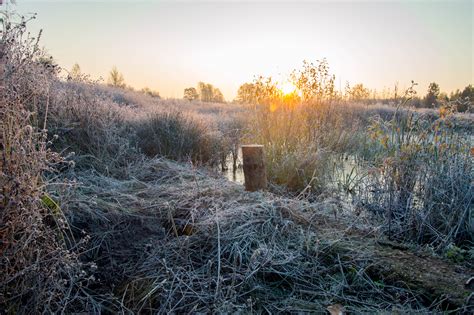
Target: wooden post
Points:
(254, 167)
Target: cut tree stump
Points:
(254, 167)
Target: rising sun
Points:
(287, 88)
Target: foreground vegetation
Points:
(111, 201)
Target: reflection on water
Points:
(236, 175)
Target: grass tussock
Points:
(178, 137)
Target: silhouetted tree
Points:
(464, 99)
(205, 91)
(431, 98)
(191, 94)
(314, 81)
(247, 94)
(208, 93)
(116, 78)
(468, 92)
(217, 96)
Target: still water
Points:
(236, 175)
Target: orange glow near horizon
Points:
(169, 46)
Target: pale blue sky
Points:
(170, 45)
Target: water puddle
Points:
(234, 175)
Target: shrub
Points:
(95, 129)
(40, 274)
(176, 136)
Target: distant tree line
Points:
(149, 92)
(314, 83)
(204, 92)
(434, 98)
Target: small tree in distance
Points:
(150, 92)
(191, 94)
(116, 78)
(358, 92)
(217, 96)
(75, 74)
(205, 92)
(431, 99)
(246, 94)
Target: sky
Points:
(170, 45)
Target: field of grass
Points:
(113, 202)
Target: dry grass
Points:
(41, 272)
(179, 240)
(111, 229)
(421, 182)
(412, 168)
(107, 135)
